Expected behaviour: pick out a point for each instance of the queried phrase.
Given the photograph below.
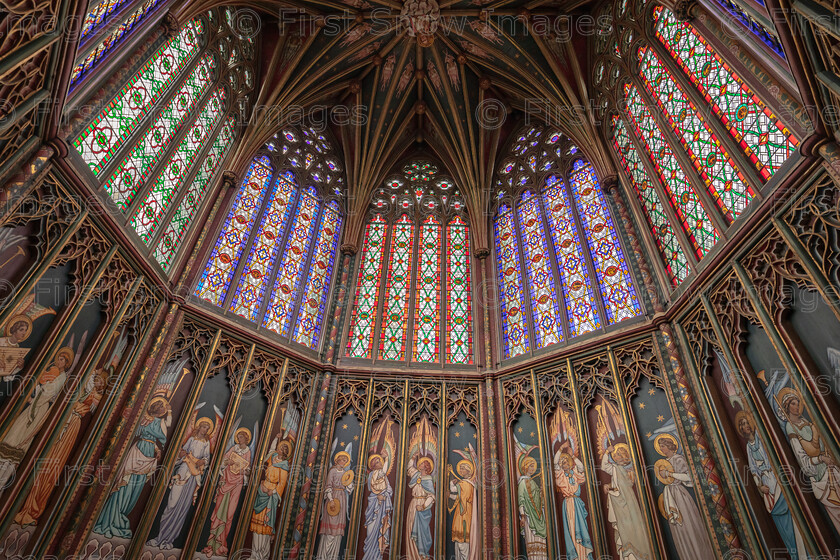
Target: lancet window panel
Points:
(273, 260)
(413, 296)
(157, 148)
(561, 267)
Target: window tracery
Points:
(562, 271)
(413, 298)
(157, 146)
(273, 259)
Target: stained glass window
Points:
(98, 13)
(132, 173)
(157, 148)
(108, 43)
(724, 180)
(556, 247)
(760, 133)
(360, 339)
(108, 131)
(617, 289)
(170, 240)
(175, 172)
(660, 226)
(395, 313)
(685, 201)
(458, 293)
(272, 263)
(427, 304)
(408, 255)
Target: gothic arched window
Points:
(413, 293)
(695, 170)
(562, 271)
(272, 263)
(156, 147)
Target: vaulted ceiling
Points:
(391, 78)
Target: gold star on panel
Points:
(652, 392)
(532, 434)
(457, 434)
(520, 429)
(344, 427)
(641, 406)
(660, 418)
(648, 435)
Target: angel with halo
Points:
(236, 466)
(31, 419)
(338, 487)
(17, 329)
(421, 481)
(380, 493)
(462, 490)
(530, 502)
(190, 469)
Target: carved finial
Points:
(683, 9)
(484, 83)
(420, 108)
(355, 86)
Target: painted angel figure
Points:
(771, 489)
(193, 459)
(687, 527)
(623, 509)
(58, 455)
(420, 509)
(27, 425)
(334, 515)
(388, 70)
(452, 71)
(530, 503)
(16, 330)
(380, 493)
(269, 494)
(405, 77)
(434, 76)
(462, 491)
(136, 469)
(236, 466)
(569, 477)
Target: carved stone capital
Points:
(349, 249)
(170, 24)
(228, 179)
(481, 253)
(685, 10)
(609, 183)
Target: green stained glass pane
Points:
(761, 135)
(702, 233)
(660, 226)
(173, 234)
(360, 343)
(458, 293)
(108, 131)
(134, 170)
(395, 312)
(171, 179)
(427, 313)
(724, 180)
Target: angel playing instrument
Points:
(192, 464)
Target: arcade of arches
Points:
(423, 279)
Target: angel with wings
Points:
(17, 329)
(569, 477)
(58, 455)
(337, 489)
(462, 490)
(421, 480)
(193, 458)
(236, 466)
(530, 501)
(29, 422)
(380, 493)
